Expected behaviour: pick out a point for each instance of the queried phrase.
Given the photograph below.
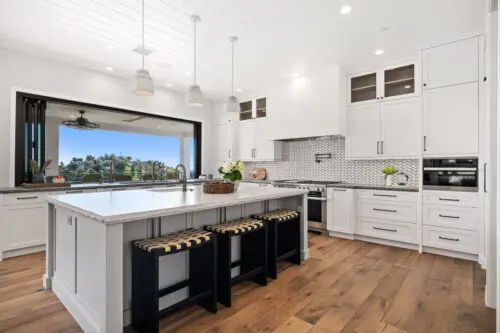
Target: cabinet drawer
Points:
(24, 198)
(451, 239)
(394, 211)
(396, 231)
(451, 198)
(451, 217)
(387, 195)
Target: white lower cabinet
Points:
(451, 221)
(340, 210)
(23, 226)
(387, 215)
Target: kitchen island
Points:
(89, 242)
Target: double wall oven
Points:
(316, 200)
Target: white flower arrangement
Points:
(231, 170)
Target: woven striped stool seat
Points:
(175, 242)
(277, 216)
(236, 227)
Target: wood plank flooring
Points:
(346, 286)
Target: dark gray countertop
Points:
(376, 187)
(76, 187)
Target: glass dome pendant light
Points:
(194, 95)
(233, 105)
(143, 82)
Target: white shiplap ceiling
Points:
(277, 37)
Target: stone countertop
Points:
(94, 186)
(125, 206)
(376, 187)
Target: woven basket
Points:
(218, 187)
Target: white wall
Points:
(58, 79)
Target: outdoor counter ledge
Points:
(89, 241)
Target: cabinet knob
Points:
(425, 84)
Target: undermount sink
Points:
(171, 189)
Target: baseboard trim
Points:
(341, 235)
(453, 254)
(304, 254)
(22, 252)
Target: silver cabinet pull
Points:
(339, 190)
(446, 199)
(450, 239)
(425, 142)
(385, 195)
(145, 187)
(27, 198)
(255, 153)
(383, 229)
(484, 185)
(229, 153)
(118, 189)
(378, 151)
(449, 216)
(385, 210)
(382, 147)
(70, 192)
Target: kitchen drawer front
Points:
(451, 239)
(394, 211)
(451, 198)
(387, 195)
(24, 198)
(466, 218)
(391, 230)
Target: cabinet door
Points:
(23, 226)
(363, 131)
(264, 148)
(399, 82)
(246, 110)
(246, 140)
(400, 133)
(451, 120)
(339, 210)
(363, 88)
(450, 64)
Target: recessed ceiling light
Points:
(295, 75)
(379, 52)
(109, 69)
(188, 73)
(407, 87)
(239, 90)
(346, 9)
(169, 84)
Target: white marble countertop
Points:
(126, 206)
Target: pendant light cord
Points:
(194, 76)
(142, 34)
(232, 69)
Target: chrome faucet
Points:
(184, 176)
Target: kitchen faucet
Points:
(183, 179)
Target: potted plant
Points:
(232, 171)
(388, 171)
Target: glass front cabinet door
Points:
(388, 83)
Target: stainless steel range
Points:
(316, 203)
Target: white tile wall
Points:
(299, 163)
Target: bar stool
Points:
(253, 262)
(284, 238)
(202, 281)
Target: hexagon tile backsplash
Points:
(299, 163)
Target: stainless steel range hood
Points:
(312, 138)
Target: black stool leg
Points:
(296, 259)
(145, 316)
(203, 274)
(224, 269)
(254, 254)
(272, 249)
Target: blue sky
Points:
(78, 143)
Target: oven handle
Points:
(449, 169)
(316, 198)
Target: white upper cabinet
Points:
(363, 131)
(254, 143)
(225, 141)
(253, 109)
(400, 128)
(393, 82)
(451, 64)
(451, 120)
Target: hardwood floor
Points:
(346, 286)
